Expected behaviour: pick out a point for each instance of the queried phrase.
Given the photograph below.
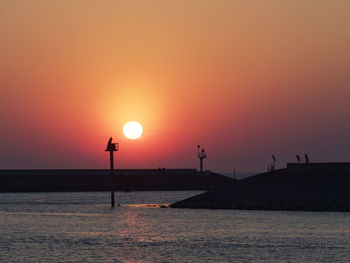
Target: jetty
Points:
(63, 180)
(298, 187)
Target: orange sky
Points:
(244, 79)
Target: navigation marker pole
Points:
(111, 148)
(201, 154)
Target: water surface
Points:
(81, 227)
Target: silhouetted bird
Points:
(306, 158)
(298, 158)
(109, 144)
(273, 158)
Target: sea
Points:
(82, 227)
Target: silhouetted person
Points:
(273, 162)
(298, 158)
(306, 158)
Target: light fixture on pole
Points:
(201, 155)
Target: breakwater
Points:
(299, 187)
(100, 180)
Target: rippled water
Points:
(81, 227)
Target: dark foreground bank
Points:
(299, 187)
(101, 180)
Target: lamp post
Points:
(201, 155)
(111, 148)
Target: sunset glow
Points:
(244, 78)
(132, 130)
(233, 115)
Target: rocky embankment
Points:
(299, 187)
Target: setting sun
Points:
(132, 130)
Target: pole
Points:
(201, 164)
(112, 174)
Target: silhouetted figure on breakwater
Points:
(298, 158)
(273, 162)
(306, 158)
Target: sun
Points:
(132, 130)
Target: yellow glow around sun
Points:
(132, 130)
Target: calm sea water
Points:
(81, 227)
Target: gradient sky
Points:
(245, 79)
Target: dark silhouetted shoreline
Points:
(101, 180)
(299, 187)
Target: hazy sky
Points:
(245, 79)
